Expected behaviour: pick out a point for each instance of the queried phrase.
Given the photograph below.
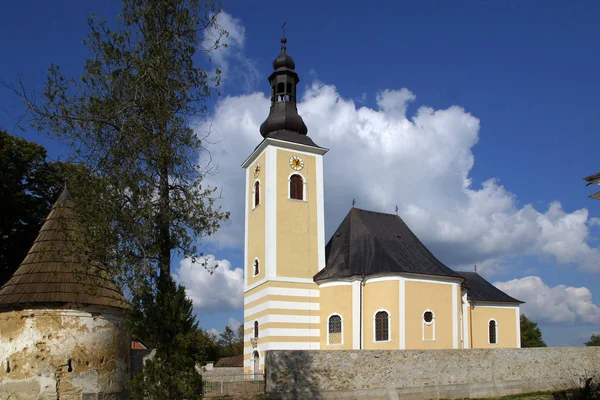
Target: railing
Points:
(240, 384)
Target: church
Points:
(372, 286)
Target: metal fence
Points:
(242, 384)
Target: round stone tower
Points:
(62, 320)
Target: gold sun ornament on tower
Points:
(257, 170)
(296, 163)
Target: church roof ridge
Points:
(58, 269)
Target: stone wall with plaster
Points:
(37, 344)
(418, 374)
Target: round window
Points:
(428, 316)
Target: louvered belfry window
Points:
(381, 326)
(296, 187)
(335, 329)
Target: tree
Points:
(227, 341)
(128, 120)
(164, 318)
(594, 340)
(531, 335)
(29, 185)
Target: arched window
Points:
(334, 329)
(296, 187)
(256, 194)
(256, 266)
(382, 326)
(255, 329)
(493, 331)
(256, 359)
(428, 326)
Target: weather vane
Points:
(353, 202)
(283, 29)
(396, 209)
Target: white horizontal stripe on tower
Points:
(292, 332)
(294, 319)
(280, 291)
(284, 305)
(284, 346)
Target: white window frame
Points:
(488, 330)
(389, 339)
(254, 205)
(289, 180)
(253, 268)
(423, 323)
(342, 330)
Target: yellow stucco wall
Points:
(506, 318)
(337, 299)
(376, 296)
(437, 297)
(297, 228)
(256, 223)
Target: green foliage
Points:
(230, 343)
(128, 120)
(594, 340)
(165, 319)
(531, 335)
(29, 185)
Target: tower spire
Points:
(283, 116)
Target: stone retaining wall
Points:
(419, 374)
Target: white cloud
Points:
(229, 57)
(234, 324)
(559, 304)
(220, 291)
(421, 163)
(214, 332)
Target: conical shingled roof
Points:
(57, 269)
(371, 243)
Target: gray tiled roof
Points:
(478, 289)
(368, 243)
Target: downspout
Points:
(470, 325)
(362, 283)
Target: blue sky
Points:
(512, 92)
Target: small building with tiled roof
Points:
(62, 318)
(373, 286)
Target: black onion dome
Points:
(284, 60)
(285, 119)
(284, 122)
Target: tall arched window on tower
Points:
(382, 326)
(334, 329)
(493, 331)
(255, 329)
(256, 194)
(296, 187)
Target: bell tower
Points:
(284, 227)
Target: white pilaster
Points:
(271, 212)
(455, 316)
(356, 315)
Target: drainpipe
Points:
(362, 283)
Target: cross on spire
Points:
(283, 29)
